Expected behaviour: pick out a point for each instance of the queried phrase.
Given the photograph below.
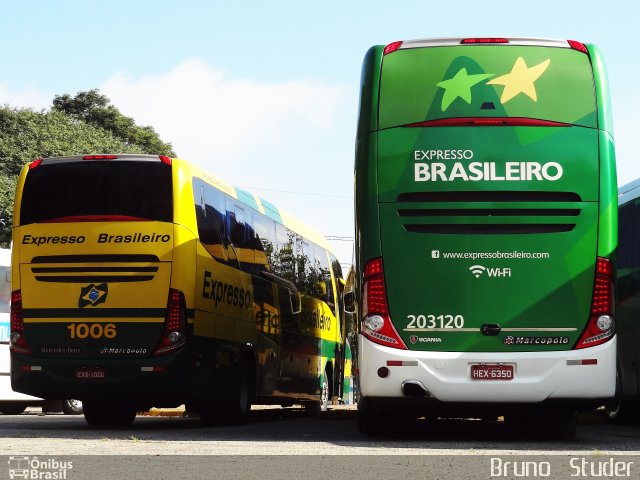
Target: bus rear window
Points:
(546, 83)
(77, 191)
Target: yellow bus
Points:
(142, 281)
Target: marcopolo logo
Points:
(510, 341)
(479, 270)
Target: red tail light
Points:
(175, 325)
(601, 326)
(488, 121)
(100, 157)
(468, 41)
(581, 47)
(376, 324)
(392, 47)
(18, 341)
(164, 159)
(36, 163)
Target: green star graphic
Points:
(460, 86)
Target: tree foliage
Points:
(83, 124)
(95, 109)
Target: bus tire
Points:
(72, 407)
(369, 422)
(546, 423)
(11, 408)
(209, 413)
(621, 411)
(315, 408)
(238, 409)
(108, 414)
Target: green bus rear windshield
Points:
(432, 83)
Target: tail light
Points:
(18, 341)
(164, 159)
(376, 324)
(100, 157)
(35, 164)
(488, 121)
(483, 40)
(581, 47)
(601, 326)
(392, 47)
(174, 336)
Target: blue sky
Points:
(264, 94)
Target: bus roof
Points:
(261, 205)
(451, 41)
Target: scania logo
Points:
(93, 295)
(413, 339)
(508, 341)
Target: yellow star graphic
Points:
(520, 80)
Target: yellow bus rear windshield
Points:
(100, 190)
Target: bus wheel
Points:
(108, 414)
(239, 408)
(209, 413)
(316, 407)
(72, 407)
(553, 423)
(621, 411)
(369, 423)
(10, 408)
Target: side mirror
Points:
(349, 302)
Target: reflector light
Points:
(402, 363)
(99, 157)
(392, 47)
(467, 41)
(164, 159)
(29, 368)
(35, 163)
(581, 47)
(601, 325)
(488, 121)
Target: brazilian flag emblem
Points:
(93, 295)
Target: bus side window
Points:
(209, 216)
(265, 231)
(284, 259)
(241, 233)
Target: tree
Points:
(86, 123)
(95, 109)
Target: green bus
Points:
(626, 405)
(486, 227)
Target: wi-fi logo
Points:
(477, 270)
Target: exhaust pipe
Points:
(414, 388)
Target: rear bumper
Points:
(538, 377)
(157, 380)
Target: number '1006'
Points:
(94, 330)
